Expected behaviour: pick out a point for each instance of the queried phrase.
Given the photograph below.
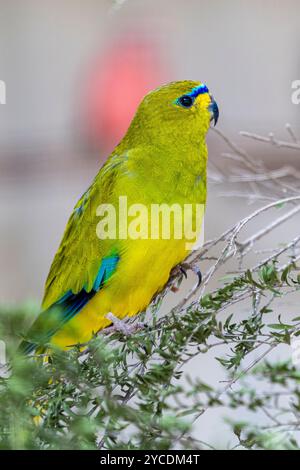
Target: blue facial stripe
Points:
(198, 90)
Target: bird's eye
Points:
(186, 101)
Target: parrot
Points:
(162, 159)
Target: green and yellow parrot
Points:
(161, 160)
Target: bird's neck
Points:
(171, 172)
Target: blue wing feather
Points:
(70, 304)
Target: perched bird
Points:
(161, 160)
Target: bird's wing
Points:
(83, 262)
(77, 262)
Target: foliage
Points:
(128, 393)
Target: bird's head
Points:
(179, 111)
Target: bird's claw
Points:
(184, 267)
(121, 326)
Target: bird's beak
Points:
(214, 110)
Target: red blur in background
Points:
(115, 84)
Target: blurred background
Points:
(75, 72)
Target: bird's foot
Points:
(121, 326)
(196, 270)
(183, 268)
